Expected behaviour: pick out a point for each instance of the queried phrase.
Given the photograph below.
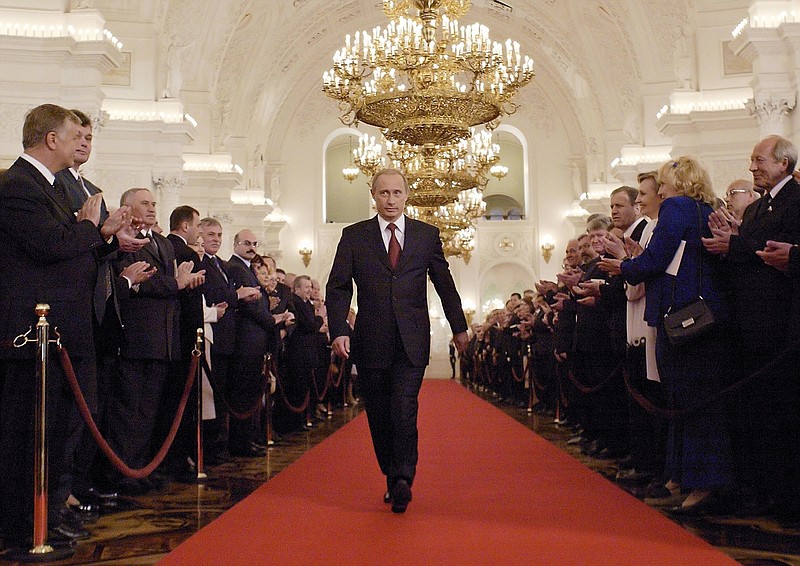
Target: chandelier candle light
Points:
(427, 82)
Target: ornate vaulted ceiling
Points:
(259, 62)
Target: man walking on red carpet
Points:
(390, 258)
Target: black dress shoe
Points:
(87, 512)
(70, 525)
(401, 496)
(387, 497)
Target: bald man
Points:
(739, 195)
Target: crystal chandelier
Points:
(427, 82)
(424, 79)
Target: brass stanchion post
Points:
(40, 551)
(268, 401)
(198, 351)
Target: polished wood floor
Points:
(146, 528)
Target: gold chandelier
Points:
(427, 82)
(423, 79)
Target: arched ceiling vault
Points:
(258, 58)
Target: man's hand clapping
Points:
(776, 254)
(187, 279)
(138, 272)
(248, 294)
(91, 209)
(721, 231)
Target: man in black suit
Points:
(217, 289)
(50, 258)
(184, 226)
(254, 325)
(390, 257)
(766, 419)
(81, 447)
(150, 341)
(301, 352)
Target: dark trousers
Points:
(765, 418)
(185, 444)
(244, 391)
(17, 444)
(217, 441)
(133, 409)
(648, 433)
(390, 398)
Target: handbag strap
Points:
(700, 258)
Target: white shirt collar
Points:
(181, 237)
(245, 260)
(777, 188)
(633, 226)
(40, 167)
(400, 223)
(74, 173)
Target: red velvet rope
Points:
(680, 414)
(302, 408)
(69, 371)
(586, 390)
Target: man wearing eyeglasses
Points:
(254, 323)
(739, 196)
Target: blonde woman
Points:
(676, 269)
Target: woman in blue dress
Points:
(698, 450)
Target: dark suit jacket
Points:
(191, 300)
(49, 258)
(76, 195)
(150, 316)
(390, 300)
(592, 330)
(217, 289)
(254, 323)
(678, 220)
(104, 286)
(760, 292)
(301, 344)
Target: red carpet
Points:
(488, 491)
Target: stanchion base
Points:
(48, 553)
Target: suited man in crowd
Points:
(301, 348)
(765, 447)
(390, 258)
(81, 447)
(184, 226)
(219, 288)
(254, 325)
(50, 257)
(150, 342)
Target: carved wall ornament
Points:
(771, 113)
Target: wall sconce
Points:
(305, 252)
(547, 250)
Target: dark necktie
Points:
(394, 246)
(61, 191)
(215, 261)
(154, 247)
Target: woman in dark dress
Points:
(698, 450)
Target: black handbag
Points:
(693, 321)
(689, 323)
